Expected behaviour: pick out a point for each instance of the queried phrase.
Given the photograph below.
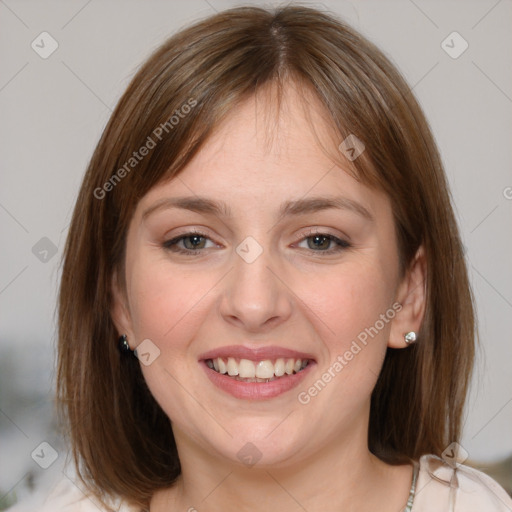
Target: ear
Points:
(120, 311)
(411, 294)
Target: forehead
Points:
(267, 148)
(276, 125)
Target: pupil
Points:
(324, 245)
(196, 240)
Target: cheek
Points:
(166, 308)
(162, 298)
(350, 300)
(356, 305)
(354, 310)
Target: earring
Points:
(123, 345)
(410, 338)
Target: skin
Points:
(294, 295)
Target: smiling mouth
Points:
(266, 370)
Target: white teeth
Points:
(246, 369)
(232, 367)
(279, 367)
(222, 365)
(260, 371)
(264, 369)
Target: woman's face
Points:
(291, 263)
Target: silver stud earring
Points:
(410, 338)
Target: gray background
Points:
(53, 111)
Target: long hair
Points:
(121, 439)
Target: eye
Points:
(194, 243)
(188, 243)
(323, 242)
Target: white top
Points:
(439, 488)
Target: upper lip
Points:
(255, 354)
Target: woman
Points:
(264, 300)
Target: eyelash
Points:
(171, 245)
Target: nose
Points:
(255, 297)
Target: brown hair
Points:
(121, 439)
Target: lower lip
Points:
(256, 390)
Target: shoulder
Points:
(458, 488)
(65, 496)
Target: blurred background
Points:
(64, 65)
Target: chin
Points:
(261, 446)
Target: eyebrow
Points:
(296, 207)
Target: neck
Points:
(344, 475)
